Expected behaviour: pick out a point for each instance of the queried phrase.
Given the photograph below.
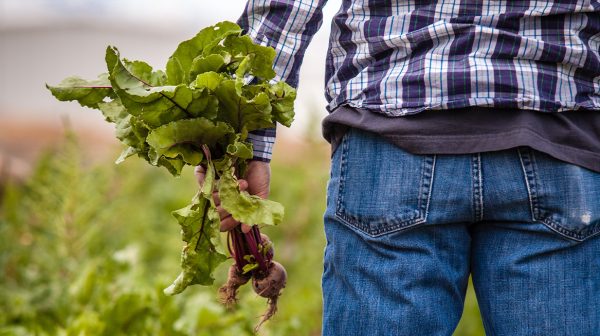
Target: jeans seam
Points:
(523, 157)
(477, 187)
(430, 191)
(344, 153)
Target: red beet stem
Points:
(253, 246)
(229, 238)
(238, 249)
(247, 244)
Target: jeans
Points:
(405, 231)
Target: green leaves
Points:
(244, 207)
(259, 59)
(199, 111)
(87, 93)
(243, 113)
(200, 256)
(185, 138)
(155, 105)
(180, 63)
(213, 62)
(204, 86)
(199, 223)
(282, 97)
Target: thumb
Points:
(258, 177)
(200, 173)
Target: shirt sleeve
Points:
(262, 144)
(288, 27)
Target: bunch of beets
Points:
(217, 87)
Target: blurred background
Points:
(87, 246)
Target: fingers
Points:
(258, 177)
(229, 223)
(243, 184)
(246, 228)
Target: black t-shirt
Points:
(572, 136)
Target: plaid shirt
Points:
(403, 57)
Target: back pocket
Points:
(382, 188)
(564, 196)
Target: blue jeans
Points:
(404, 232)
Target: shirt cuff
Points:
(262, 144)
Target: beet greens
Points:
(217, 87)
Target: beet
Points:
(228, 292)
(267, 246)
(270, 287)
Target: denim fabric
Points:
(404, 232)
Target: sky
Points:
(142, 12)
(43, 41)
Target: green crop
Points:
(217, 87)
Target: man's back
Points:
(403, 57)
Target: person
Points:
(466, 141)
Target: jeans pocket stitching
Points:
(357, 224)
(529, 165)
(340, 191)
(418, 216)
(577, 236)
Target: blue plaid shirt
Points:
(403, 57)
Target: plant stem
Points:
(247, 244)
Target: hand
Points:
(256, 181)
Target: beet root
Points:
(228, 292)
(270, 287)
(265, 239)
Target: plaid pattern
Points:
(403, 57)
(262, 144)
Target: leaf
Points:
(189, 153)
(87, 93)
(212, 62)
(282, 97)
(209, 80)
(246, 208)
(241, 113)
(260, 58)
(193, 132)
(240, 149)
(208, 185)
(155, 105)
(240, 74)
(113, 111)
(145, 73)
(127, 152)
(200, 256)
(203, 104)
(249, 267)
(180, 63)
(132, 132)
(174, 166)
(175, 72)
(128, 129)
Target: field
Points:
(86, 249)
